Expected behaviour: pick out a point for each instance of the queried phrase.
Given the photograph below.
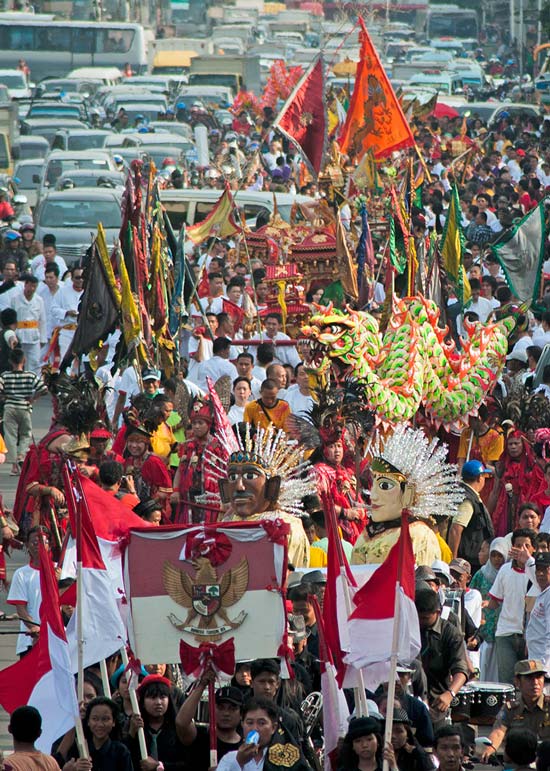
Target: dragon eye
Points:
(334, 329)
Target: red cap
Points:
(100, 433)
(154, 679)
(200, 411)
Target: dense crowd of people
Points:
(482, 585)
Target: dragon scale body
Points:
(411, 365)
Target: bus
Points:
(451, 21)
(54, 49)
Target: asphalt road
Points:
(8, 485)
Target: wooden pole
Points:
(393, 671)
(105, 678)
(135, 706)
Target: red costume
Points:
(339, 482)
(526, 479)
(41, 467)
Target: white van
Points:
(192, 206)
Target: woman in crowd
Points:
(362, 747)
(482, 581)
(409, 755)
(157, 717)
(101, 729)
(242, 393)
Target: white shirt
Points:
(472, 603)
(25, 590)
(522, 344)
(510, 588)
(47, 299)
(537, 634)
(229, 763)
(30, 311)
(67, 299)
(540, 337)
(128, 384)
(297, 401)
(481, 306)
(103, 375)
(38, 266)
(215, 368)
(6, 297)
(284, 354)
(235, 414)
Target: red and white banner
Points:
(205, 584)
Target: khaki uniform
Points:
(518, 715)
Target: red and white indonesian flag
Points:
(104, 632)
(372, 622)
(111, 521)
(43, 678)
(205, 584)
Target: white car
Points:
(16, 83)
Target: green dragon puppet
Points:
(411, 365)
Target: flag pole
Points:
(105, 678)
(394, 654)
(134, 702)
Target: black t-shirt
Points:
(199, 751)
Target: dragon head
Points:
(338, 339)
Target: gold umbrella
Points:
(346, 67)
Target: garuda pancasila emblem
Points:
(206, 597)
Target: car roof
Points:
(78, 193)
(29, 162)
(68, 154)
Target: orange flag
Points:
(375, 120)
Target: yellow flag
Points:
(103, 252)
(452, 245)
(131, 322)
(219, 223)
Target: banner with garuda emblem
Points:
(205, 584)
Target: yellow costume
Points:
(258, 415)
(298, 545)
(374, 550)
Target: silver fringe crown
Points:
(278, 455)
(423, 464)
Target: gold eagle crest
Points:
(206, 597)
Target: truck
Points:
(9, 131)
(231, 71)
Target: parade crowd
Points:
(146, 435)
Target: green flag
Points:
(452, 245)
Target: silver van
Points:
(192, 206)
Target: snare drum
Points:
(487, 700)
(461, 705)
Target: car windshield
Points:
(29, 150)
(58, 167)
(13, 81)
(24, 175)
(80, 213)
(86, 141)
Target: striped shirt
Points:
(18, 388)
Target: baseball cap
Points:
(314, 577)
(297, 627)
(542, 558)
(150, 374)
(425, 573)
(441, 569)
(231, 694)
(460, 566)
(517, 356)
(474, 468)
(529, 667)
